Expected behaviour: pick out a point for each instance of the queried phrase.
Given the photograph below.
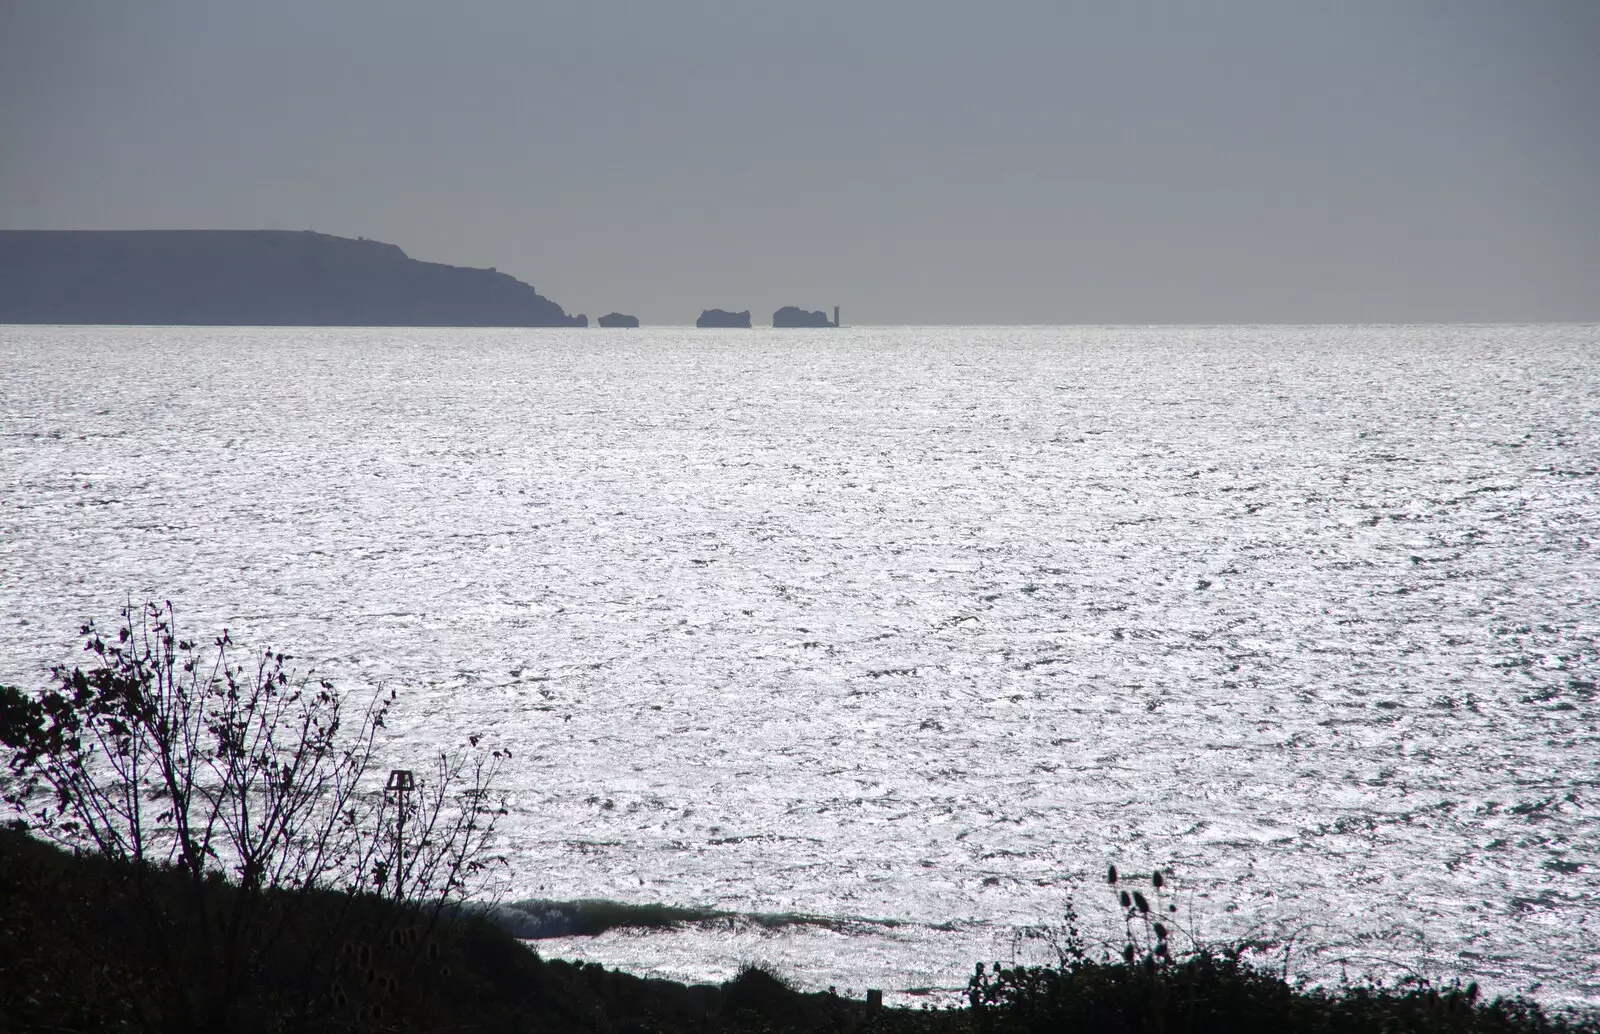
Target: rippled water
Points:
(895, 636)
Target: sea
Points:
(863, 653)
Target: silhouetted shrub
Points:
(224, 797)
(1211, 992)
(1149, 986)
(758, 988)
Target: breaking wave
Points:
(539, 919)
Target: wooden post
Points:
(401, 782)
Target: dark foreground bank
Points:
(79, 951)
(82, 949)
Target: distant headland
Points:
(722, 318)
(251, 278)
(618, 319)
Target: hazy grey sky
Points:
(910, 160)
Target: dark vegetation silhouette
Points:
(251, 278)
(232, 812)
(1148, 985)
(228, 856)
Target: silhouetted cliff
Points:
(251, 278)
(722, 318)
(618, 319)
(792, 316)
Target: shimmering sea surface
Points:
(895, 637)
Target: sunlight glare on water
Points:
(908, 630)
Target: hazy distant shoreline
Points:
(250, 278)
